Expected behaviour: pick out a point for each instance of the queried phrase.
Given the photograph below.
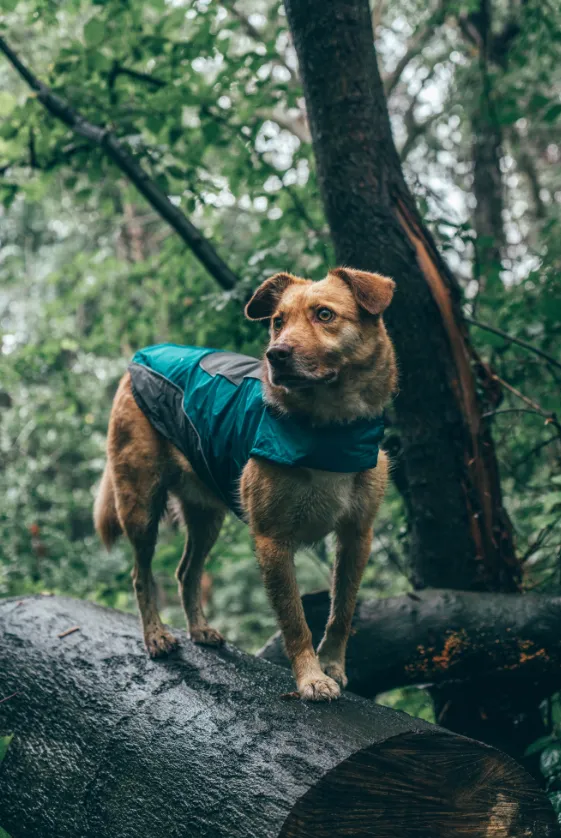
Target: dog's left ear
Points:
(265, 299)
(373, 292)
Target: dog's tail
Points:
(106, 519)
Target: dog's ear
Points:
(373, 292)
(265, 299)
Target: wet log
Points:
(109, 744)
(439, 636)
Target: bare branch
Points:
(109, 143)
(517, 341)
(415, 130)
(527, 166)
(550, 418)
(297, 125)
(254, 33)
(118, 70)
(415, 46)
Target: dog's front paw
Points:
(160, 642)
(336, 671)
(319, 689)
(206, 636)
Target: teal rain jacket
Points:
(210, 405)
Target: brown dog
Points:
(329, 359)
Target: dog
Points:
(329, 370)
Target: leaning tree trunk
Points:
(108, 744)
(460, 534)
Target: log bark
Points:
(488, 659)
(110, 744)
(437, 636)
(434, 637)
(454, 494)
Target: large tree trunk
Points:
(511, 642)
(454, 493)
(108, 744)
(460, 534)
(488, 188)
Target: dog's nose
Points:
(279, 354)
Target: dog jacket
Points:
(210, 405)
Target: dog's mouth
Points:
(299, 381)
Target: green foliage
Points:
(4, 745)
(549, 749)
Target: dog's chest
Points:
(320, 501)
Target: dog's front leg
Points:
(276, 559)
(353, 550)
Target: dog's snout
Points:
(279, 354)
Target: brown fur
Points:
(337, 371)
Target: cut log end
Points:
(109, 744)
(423, 785)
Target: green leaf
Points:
(94, 32)
(550, 760)
(538, 745)
(4, 745)
(552, 113)
(7, 102)
(3, 833)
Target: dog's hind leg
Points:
(203, 528)
(135, 451)
(140, 508)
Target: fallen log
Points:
(437, 636)
(109, 744)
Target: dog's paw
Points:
(319, 689)
(336, 671)
(206, 636)
(160, 642)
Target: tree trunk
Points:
(453, 487)
(108, 744)
(488, 191)
(460, 534)
(490, 238)
(444, 638)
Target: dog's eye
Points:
(277, 323)
(324, 314)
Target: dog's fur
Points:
(333, 370)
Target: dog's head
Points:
(319, 328)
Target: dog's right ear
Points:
(265, 299)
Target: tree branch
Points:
(415, 47)
(120, 70)
(254, 33)
(550, 418)
(437, 636)
(417, 129)
(512, 339)
(109, 143)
